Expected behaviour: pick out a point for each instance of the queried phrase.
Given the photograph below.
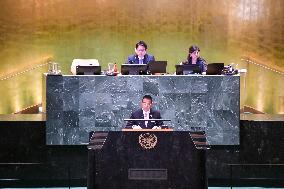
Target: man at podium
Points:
(145, 115)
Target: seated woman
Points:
(194, 58)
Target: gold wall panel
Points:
(61, 30)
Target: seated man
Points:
(140, 56)
(146, 112)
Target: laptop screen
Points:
(88, 70)
(188, 69)
(215, 68)
(157, 67)
(134, 69)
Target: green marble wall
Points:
(34, 32)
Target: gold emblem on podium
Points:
(147, 140)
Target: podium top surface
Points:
(147, 120)
(151, 130)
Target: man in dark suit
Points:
(146, 112)
(140, 56)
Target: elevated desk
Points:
(76, 105)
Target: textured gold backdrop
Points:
(35, 31)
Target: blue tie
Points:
(140, 61)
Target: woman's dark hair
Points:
(141, 43)
(147, 97)
(193, 48)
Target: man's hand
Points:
(136, 127)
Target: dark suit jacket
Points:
(133, 59)
(139, 115)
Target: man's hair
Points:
(147, 97)
(141, 43)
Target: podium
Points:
(139, 159)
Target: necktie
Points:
(140, 61)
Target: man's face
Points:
(140, 51)
(146, 104)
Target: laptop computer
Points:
(187, 69)
(134, 69)
(157, 67)
(215, 69)
(88, 70)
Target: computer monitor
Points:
(134, 69)
(215, 69)
(157, 67)
(88, 70)
(187, 69)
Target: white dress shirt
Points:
(140, 60)
(146, 116)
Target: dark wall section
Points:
(25, 160)
(258, 161)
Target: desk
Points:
(76, 105)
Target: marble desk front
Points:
(76, 105)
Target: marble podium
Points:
(76, 105)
